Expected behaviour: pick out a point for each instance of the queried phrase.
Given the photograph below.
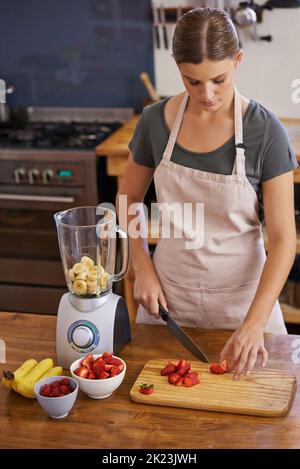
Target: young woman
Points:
(212, 146)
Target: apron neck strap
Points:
(239, 163)
(175, 128)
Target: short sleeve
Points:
(140, 144)
(278, 155)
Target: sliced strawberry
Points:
(114, 361)
(98, 366)
(168, 369)
(183, 367)
(92, 375)
(103, 375)
(179, 381)
(106, 356)
(173, 377)
(192, 374)
(189, 382)
(82, 372)
(87, 361)
(216, 369)
(108, 368)
(115, 371)
(121, 367)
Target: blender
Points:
(91, 317)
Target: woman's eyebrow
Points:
(216, 78)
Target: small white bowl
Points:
(98, 388)
(56, 407)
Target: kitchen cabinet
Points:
(115, 149)
(117, 422)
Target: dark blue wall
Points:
(75, 52)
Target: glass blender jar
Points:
(88, 245)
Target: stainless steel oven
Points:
(33, 186)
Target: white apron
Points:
(211, 287)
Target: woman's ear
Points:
(238, 57)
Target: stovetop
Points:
(55, 135)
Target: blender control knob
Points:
(19, 175)
(47, 175)
(33, 174)
(82, 336)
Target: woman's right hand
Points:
(148, 291)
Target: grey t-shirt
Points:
(268, 150)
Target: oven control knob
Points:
(19, 175)
(33, 174)
(47, 175)
(83, 336)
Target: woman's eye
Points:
(218, 82)
(194, 83)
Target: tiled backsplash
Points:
(76, 52)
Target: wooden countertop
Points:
(117, 143)
(117, 422)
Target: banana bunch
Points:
(24, 378)
(87, 278)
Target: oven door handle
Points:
(37, 198)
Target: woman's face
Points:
(209, 84)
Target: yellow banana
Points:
(55, 371)
(9, 377)
(25, 385)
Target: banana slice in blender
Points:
(81, 276)
(104, 279)
(87, 262)
(91, 287)
(92, 276)
(71, 275)
(80, 287)
(78, 268)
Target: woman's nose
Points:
(206, 94)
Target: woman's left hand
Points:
(244, 345)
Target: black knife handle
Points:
(157, 37)
(163, 312)
(165, 35)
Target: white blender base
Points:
(83, 331)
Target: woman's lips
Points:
(209, 103)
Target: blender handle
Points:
(123, 235)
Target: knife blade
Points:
(181, 336)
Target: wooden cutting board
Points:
(266, 392)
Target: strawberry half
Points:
(98, 366)
(216, 369)
(168, 369)
(173, 377)
(189, 382)
(87, 361)
(106, 356)
(82, 372)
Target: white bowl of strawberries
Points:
(99, 375)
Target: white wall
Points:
(268, 69)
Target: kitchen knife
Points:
(156, 27)
(180, 335)
(164, 27)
